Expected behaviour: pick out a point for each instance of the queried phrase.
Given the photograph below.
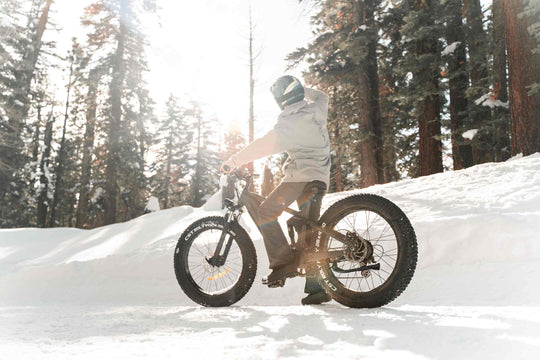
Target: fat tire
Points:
(406, 259)
(249, 263)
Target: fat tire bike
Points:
(362, 250)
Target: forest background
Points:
(416, 87)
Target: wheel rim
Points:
(374, 228)
(212, 280)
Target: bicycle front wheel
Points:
(207, 284)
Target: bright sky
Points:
(199, 49)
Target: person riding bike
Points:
(301, 132)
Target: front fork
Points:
(219, 259)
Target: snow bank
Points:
(476, 228)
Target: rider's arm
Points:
(319, 98)
(266, 145)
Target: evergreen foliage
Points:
(174, 139)
(407, 80)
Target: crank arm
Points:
(331, 255)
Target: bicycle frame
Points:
(252, 202)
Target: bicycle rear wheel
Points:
(210, 285)
(391, 242)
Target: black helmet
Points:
(287, 90)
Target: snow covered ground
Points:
(111, 292)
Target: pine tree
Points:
(423, 61)
(63, 149)
(523, 73)
(251, 119)
(400, 150)
(175, 137)
(44, 189)
(20, 50)
(500, 114)
(233, 141)
(456, 57)
(116, 33)
(343, 63)
(206, 160)
(90, 108)
(481, 116)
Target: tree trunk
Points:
(429, 121)
(373, 73)
(198, 169)
(167, 180)
(523, 71)
(268, 181)
(142, 130)
(42, 199)
(483, 142)
(390, 156)
(113, 156)
(369, 120)
(88, 147)
(339, 176)
(429, 147)
(17, 110)
(27, 66)
(251, 87)
(500, 85)
(59, 188)
(458, 84)
(35, 140)
(366, 145)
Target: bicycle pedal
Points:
(276, 284)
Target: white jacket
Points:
(301, 132)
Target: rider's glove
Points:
(228, 166)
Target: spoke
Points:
(223, 282)
(367, 223)
(194, 263)
(347, 283)
(207, 245)
(369, 226)
(197, 272)
(380, 277)
(196, 248)
(359, 284)
(346, 219)
(362, 278)
(386, 262)
(384, 229)
(388, 256)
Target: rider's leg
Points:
(277, 246)
(312, 284)
(310, 206)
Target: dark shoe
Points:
(280, 273)
(316, 298)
